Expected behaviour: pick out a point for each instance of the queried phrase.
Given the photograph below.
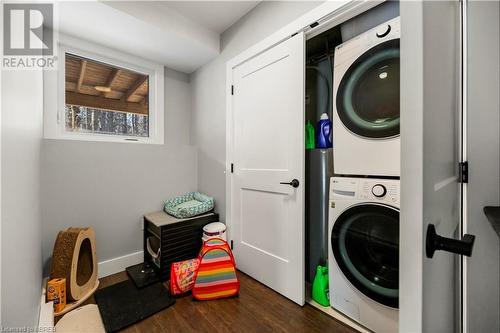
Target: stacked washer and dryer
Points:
(364, 195)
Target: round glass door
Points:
(368, 95)
(365, 244)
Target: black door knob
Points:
(294, 183)
(435, 242)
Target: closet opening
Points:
(318, 157)
(351, 199)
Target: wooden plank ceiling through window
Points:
(128, 90)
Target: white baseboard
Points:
(46, 315)
(115, 265)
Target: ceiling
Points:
(181, 35)
(214, 15)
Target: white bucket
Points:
(213, 230)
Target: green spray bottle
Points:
(320, 286)
(310, 136)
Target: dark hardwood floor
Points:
(257, 309)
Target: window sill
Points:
(103, 138)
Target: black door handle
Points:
(435, 242)
(294, 183)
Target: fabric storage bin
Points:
(214, 230)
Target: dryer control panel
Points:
(365, 189)
(353, 48)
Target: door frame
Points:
(471, 137)
(327, 15)
(1, 70)
(463, 157)
(412, 231)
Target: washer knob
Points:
(379, 190)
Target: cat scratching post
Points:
(75, 259)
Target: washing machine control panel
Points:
(386, 191)
(378, 190)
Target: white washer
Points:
(366, 105)
(363, 252)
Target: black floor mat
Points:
(143, 274)
(123, 304)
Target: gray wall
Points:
(21, 223)
(109, 186)
(208, 89)
(483, 278)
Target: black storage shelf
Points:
(179, 239)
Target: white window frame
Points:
(55, 92)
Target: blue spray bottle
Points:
(324, 132)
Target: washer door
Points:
(365, 243)
(368, 95)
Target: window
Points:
(104, 98)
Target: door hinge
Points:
(231, 244)
(232, 90)
(232, 168)
(463, 172)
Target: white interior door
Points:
(267, 217)
(430, 293)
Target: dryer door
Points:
(365, 243)
(368, 95)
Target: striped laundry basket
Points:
(216, 276)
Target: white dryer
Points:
(366, 105)
(364, 250)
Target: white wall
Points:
(483, 275)
(109, 186)
(208, 90)
(22, 109)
